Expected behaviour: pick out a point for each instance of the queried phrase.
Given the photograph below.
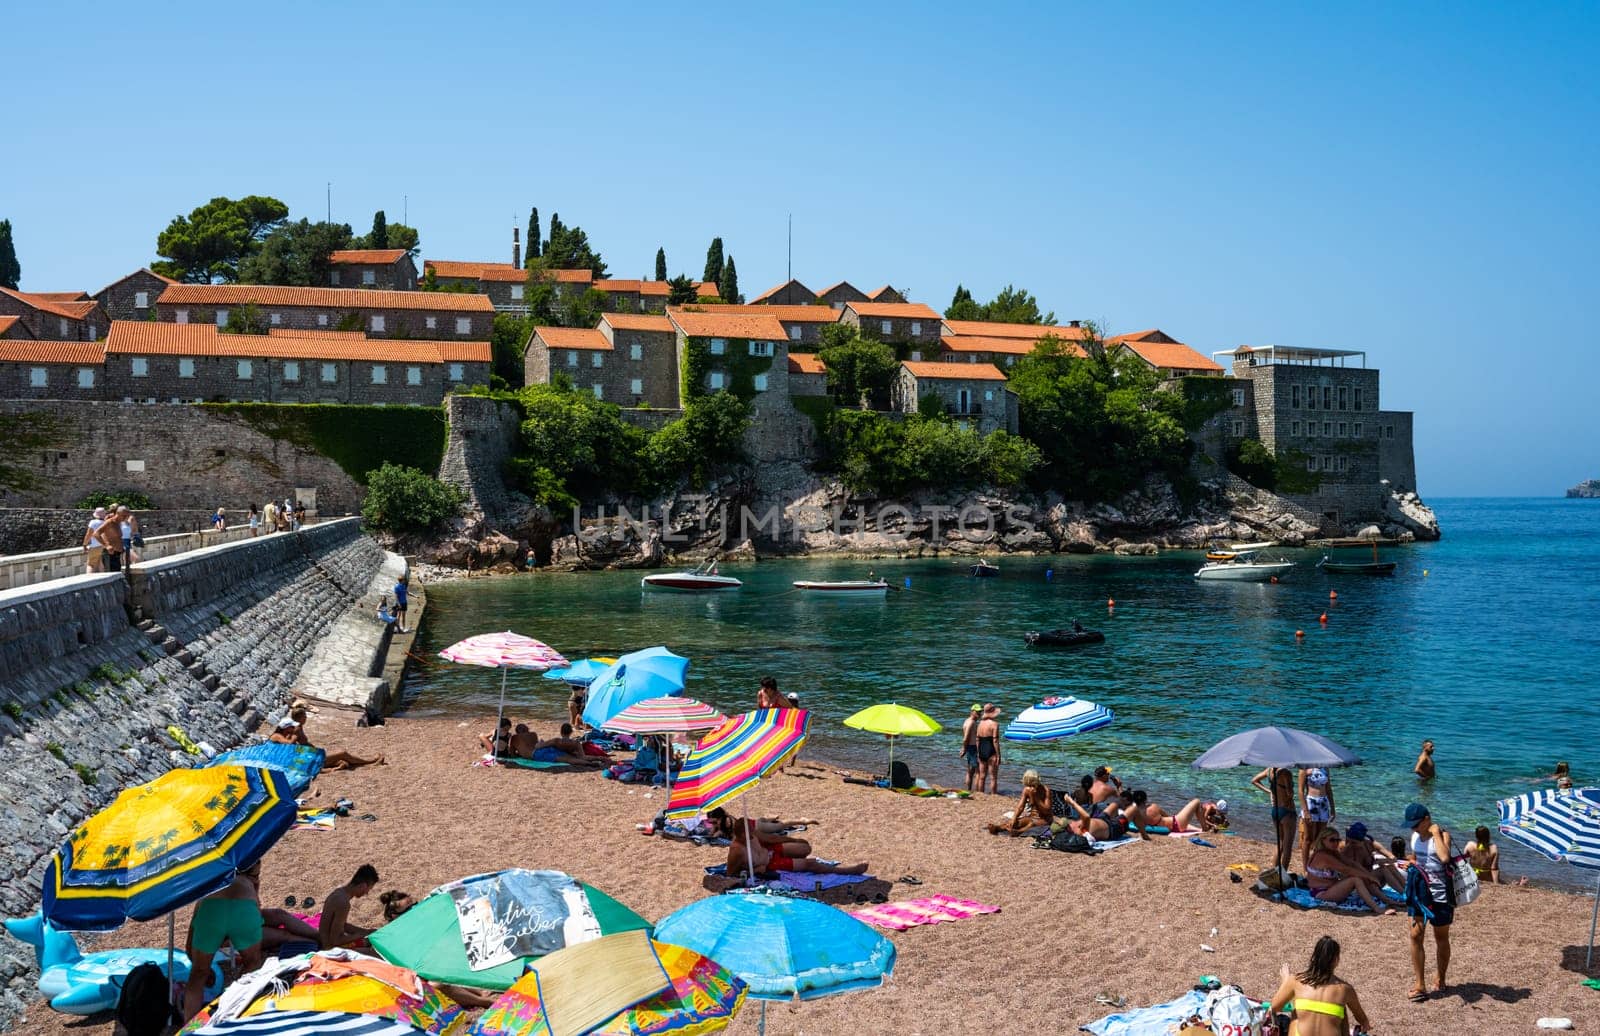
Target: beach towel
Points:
(800, 881)
(1351, 904)
(314, 820)
(528, 764)
(909, 913)
(1118, 844)
(1149, 1021)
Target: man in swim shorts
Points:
(232, 916)
(771, 860)
(969, 743)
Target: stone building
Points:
(790, 293)
(56, 316)
(912, 326)
(836, 295)
(381, 314)
(802, 325)
(623, 296)
(974, 393)
(584, 355)
(1320, 409)
(13, 327)
(32, 369)
(887, 293)
(461, 276)
(1164, 354)
(645, 350)
(983, 341)
(506, 286)
(133, 297)
(743, 353)
(385, 269)
(808, 375)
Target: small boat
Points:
(984, 570)
(1358, 568)
(1244, 568)
(701, 580)
(1063, 638)
(843, 588)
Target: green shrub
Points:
(86, 774)
(56, 750)
(1254, 463)
(14, 710)
(359, 439)
(877, 454)
(134, 499)
(402, 499)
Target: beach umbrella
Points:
(669, 714)
(1564, 825)
(503, 651)
(1058, 717)
(300, 763)
(634, 677)
(165, 844)
(517, 906)
(307, 1023)
(893, 720)
(581, 672)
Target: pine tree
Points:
(728, 286)
(10, 269)
(661, 264)
(533, 236)
(714, 262)
(379, 238)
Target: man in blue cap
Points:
(1429, 896)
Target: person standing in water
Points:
(969, 743)
(1424, 768)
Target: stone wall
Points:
(180, 456)
(25, 530)
(483, 437)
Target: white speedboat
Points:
(1244, 568)
(702, 580)
(844, 588)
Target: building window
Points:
(291, 370)
(222, 318)
(1327, 397)
(572, 357)
(1010, 360)
(369, 276)
(39, 377)
(516, 291)
(1311, 429)
(276, 319)
(333, 278)
(181, 316)
(1388, 431)
(380, 374)
(141, 300)
(330, 373)
(760, 348)
(1311, 464)
(1355, 430)
(794, 333)
(1358, 398)
(141, 367)
(1294, 396)
(1294, 427)
(1327, 428)
(1344, 397)
(245, 370)
(916, 356)
(65, 330)
(635, 351)
(377, 322)
(718, 347)
(599, 390)
(463, 325)
(760, 382)
(1238, 428)
(888, 326)
(413, 375)
(1342, 461)
(1311, 397)
(322, 320)
(597, 360)
(636, 387)
(185, 367)
(1238, 397)
(715, 380)
(988, 395)
(431, 323)
(457, 372)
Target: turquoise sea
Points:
(1488, 642)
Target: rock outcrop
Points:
(1407, 513)
(1588, 489)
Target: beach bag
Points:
(1065, 841)
(144, 1007)
(900, 775)
(1463, 880)
(1231, 1013)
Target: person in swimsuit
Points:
(1332, 877)
(1324, 1003)
(770, 832)
(1137, 807)
(988, 740)
(771, 859)
(232, 916)
(335, 928)
(1105, 786)
(1280, 791)
(1360, 851)
(1430, 897)
(1081, 794)
(767, 694)
(1033, 809)
(577, 701)
(498, 742)
(1316, 808)
(1424, 768)
(969, 743)
(522, 743)
(1562, 776)
(1484, 857)
(332, 758)
(1105, 823)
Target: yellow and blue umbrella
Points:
(301, 763)
(165, 844)
(732, 758)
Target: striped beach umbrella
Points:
(670, 714)
(162, 845)
(503, 651)
(1058, 717)
(300, 763)
(731, 759)
(1562, 824)
(308, 1023)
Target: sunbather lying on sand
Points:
(1106, 823)
(292, 731)
(770, 832)
(553, 751)
(770, 860)
(1033, 809)
(1137, 807)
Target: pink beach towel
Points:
(908, 913)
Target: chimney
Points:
(516, 247)
(1075, 323)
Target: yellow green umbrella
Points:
(894, 720)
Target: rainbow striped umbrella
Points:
(732, 758)
(503, 651)
(667, 715)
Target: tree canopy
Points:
(860, 370)
(295, 253)
(568, 249)
(533, 237)
(379, 238)
(661, 264)
(873, 453)
(404, 499)
(1011, 306)
(10, 268)
(714, 262)
(681, 291)
(728, 284)
(210, 243)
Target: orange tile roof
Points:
(638, 321)
(572, 338)
(1172, 356)
(157, 338)
(836, 287)
(296, 332)
(451, 269)
(787, 314)
(1141, 336)
(569, 276)
(806, 363)
(894, 310)
(1032, 332)
(6, 323)
(72, 310)
(464, 352)
(1004, 346)
(707, 289)
(61, 296)
(642, 287)
(507, 274)
(727, 325)
(381, 256)
(875, 295)
(23, 350)
(777, 288)
(322, 298)
(955, 371)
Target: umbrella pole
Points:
(890, 774)
(172, 942)
(1594, 915)
(761, 1027)
(494, 739)
(750, 853)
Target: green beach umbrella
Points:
(427, 938)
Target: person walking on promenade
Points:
(1430, 898)
(969, 743)
(254, 518)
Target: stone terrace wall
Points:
(88, 687)
(24, 530)
(483, 436)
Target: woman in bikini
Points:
(1281, 792)
(331, 759)
(1332, 877)
(1033, 809)
(1324, 1003)
(1484, 857)
(1106, 823)
(1316, 809)
(1137, 807)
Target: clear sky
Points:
(1418, 180)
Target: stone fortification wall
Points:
(93, 669)
(482, 438)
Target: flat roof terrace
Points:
(1261, 355)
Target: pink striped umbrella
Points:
(671, 714)
(503, 651)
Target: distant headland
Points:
(1588, 489)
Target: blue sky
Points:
(1419, 182)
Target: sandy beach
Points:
(1129, 923)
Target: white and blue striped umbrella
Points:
(1563, 824)
(308, 1023)
(1057, 717)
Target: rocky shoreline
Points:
(1588, 489)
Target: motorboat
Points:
(701, 580)
(1067, 637)
(1358, 568)
(1245, 568)
(843, 588)
(984, 569)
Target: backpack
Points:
(145, 1006)
(1066, 841)
(1231, 1013)
(900, 775)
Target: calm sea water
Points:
(1488, 642)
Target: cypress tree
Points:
(10, 269)
(533, 236)
(661, 264)
(379, 238)
(728, 286)
(714, 262)
(556, 231)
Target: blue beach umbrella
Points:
(1563, 825)
(651, 673)
(299, 763)
(581, 672)
(1058, 717)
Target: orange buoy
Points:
(1333, 595)
(1274, 579)
(1323, 618)
(1299, 634)
(1111, 602)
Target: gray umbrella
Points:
(1281, 747)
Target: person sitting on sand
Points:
(1332, 877)
(1105, 786)
(1361, 853)
(1033, 809)
(1137, 807)
(522, 742)
(332, 759)
(771, 859)
(1106, 823)
(1324, 1003)
(396, 903)
(336, 929)
(567, 743)
(498, 741)
(1083, 794)
(1484, 857)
